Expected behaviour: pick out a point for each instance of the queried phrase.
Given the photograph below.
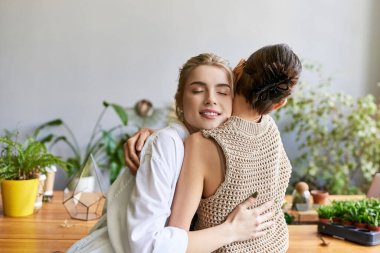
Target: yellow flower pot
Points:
(19, 197)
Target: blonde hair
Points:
(207, 59)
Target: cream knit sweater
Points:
(255, 161)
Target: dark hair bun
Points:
(277, 82)
(269, 76)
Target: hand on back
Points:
(250, 223)
(133, 147)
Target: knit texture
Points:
(255, 161)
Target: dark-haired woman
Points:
(225, 165)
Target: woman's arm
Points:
(189, 187)
(151, 198)
(241, 224)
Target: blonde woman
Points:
(138, 207)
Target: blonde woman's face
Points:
(207, 98)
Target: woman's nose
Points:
(210, 99)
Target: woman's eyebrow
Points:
(198, 83)
(204, 84)
(224, 85)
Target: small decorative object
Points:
(323, 243)
(67, 224)
(301, 197)
(319, 197)
(40, 193)
(84, 195)
(49, 184)
(144, 108)
(144, 114)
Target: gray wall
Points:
(61, 58)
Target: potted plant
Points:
(374, 221)
(319, 197)
(325, 213)
(373, 214)
(350, 213)
(288, 218)
(340, 209)
(20, 167)
(105, 144)
(338, 136)
(360, 213)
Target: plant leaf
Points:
(54, 122)
(47, 138)
(121, 113)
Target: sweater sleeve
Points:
(152, 196)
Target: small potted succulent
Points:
(374, 221)
(373, 217)
(325, 213)
(350, 213)
(20, 167)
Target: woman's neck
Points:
(243, 109)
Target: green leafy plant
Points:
(106, 145)
(325, 211)
(351, 214)
(340, 208)
(23, 161)
(374, 218)
(365, 211)
(338, 136)
(288, 218)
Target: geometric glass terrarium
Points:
(84, 195)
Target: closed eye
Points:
(223, 89)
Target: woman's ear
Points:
(279, 104)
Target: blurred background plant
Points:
(105, 144)
(337, 136)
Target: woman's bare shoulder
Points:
(198, 140)
(200, 150)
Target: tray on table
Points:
(350, 233)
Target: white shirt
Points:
(138, 207)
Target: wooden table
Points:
(304, 239)
(46, 232)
